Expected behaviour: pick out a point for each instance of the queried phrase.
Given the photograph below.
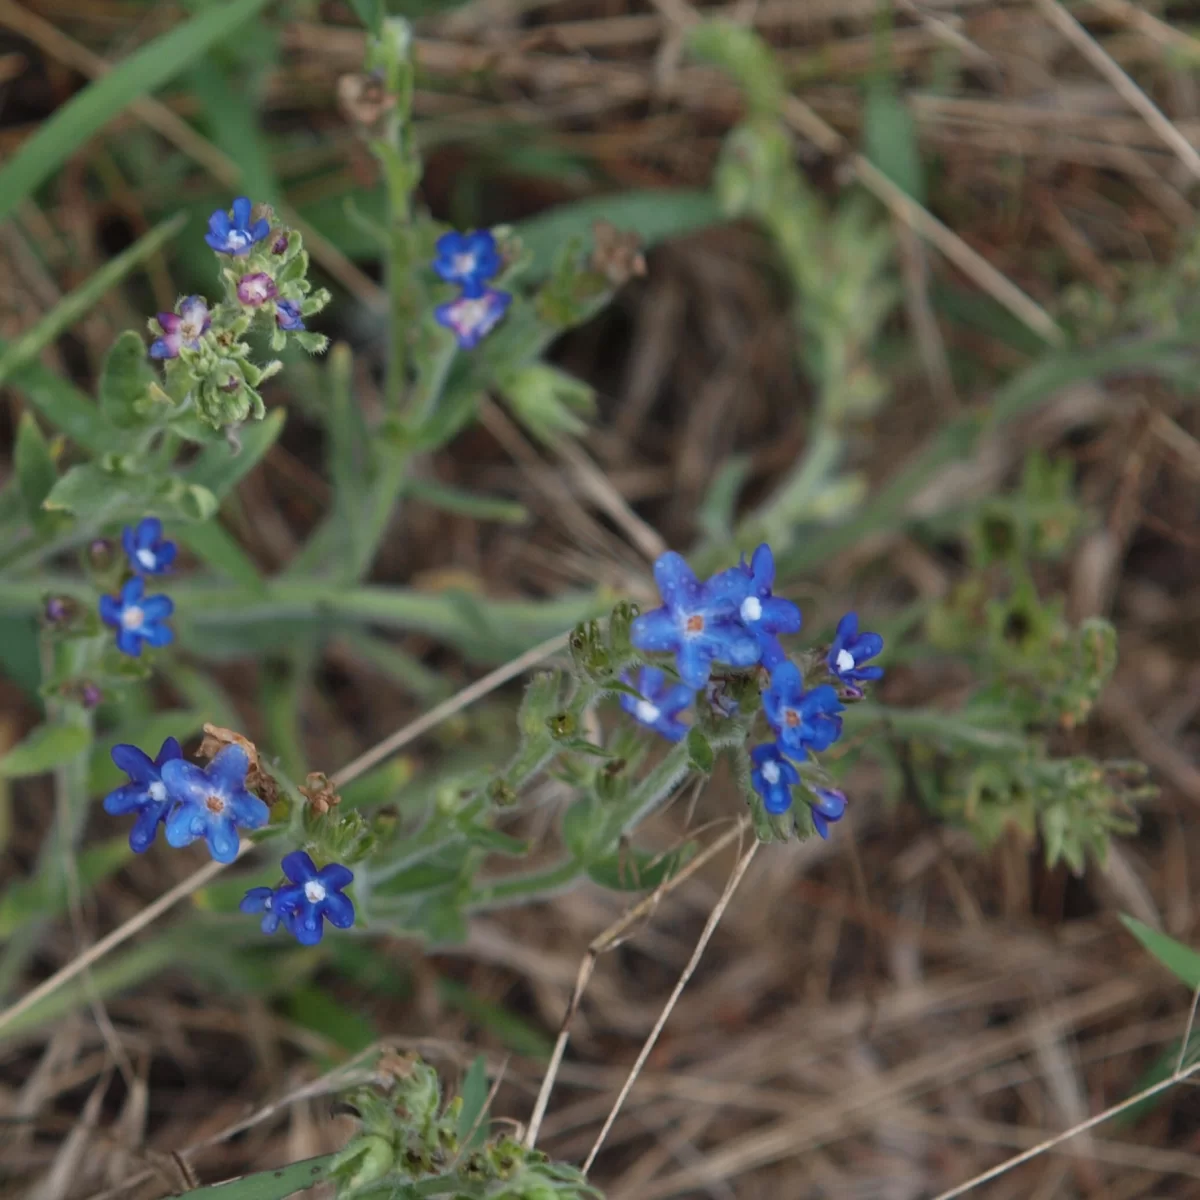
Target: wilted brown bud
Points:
(257, 780)
(319, 793)
(617, 256)
(364, 99)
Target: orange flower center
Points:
(215, 804)
(791, 717)
(695, 623)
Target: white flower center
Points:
(751, 608)
(133, 618)
(845, 660)
(147, 559)
(238, 239)
(314, 891)
(647, 713)
(157, 791)
(464, 264)
(471, 313)
(770, 772)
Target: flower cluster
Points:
(213, 803)
(264, 267)
(140, 619)
(470, 260)
(735, 620)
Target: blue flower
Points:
(237, 236)
(469, 259)
(313, 897)
(262, 899)
(287, 316)
(212, 802)
(803, 720)
(765, 615)
(660, 702)
(773, 777)
(181, 330)
(850, 649)
(696, 626)
(149, 553)
(473, 317)
(137, 618)
(830, 806)
(145, 794)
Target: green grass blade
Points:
(220, 469)
(72, 308)
(143, 72)
(1182, 961)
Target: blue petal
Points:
(628, 703)
(335, 877)
(762, 568)
(158, 608)
(298, 867)
(132, 592)
(247, 809)
(819, 824)
(822, 699)
(866, 674)
(773, 652)
(110, 610)
(780, 616)
(222, 838)
(129, 543)
(159, 348)
(186, 783)
(656, 630)
(216, 242)
(260, 229)
(169, 750)
(676, 583)
(306, 925)
(145, 828)
(136, 763)
(228, 769)
(786, 683)
(451, 243)
(673, 731)
(650, 682)
(241, 213)
(270, 922)
(694, 663)
(185, 823)
(777, 798)
(733, 586)
(847, 627)
(130, 797)
(218, 225)
(339, 910)
(129, 643)
(867, 646)
(289, 898)
(675, 699)
(154, 634)
(149, 531)
(830, 804)
(166, 556)
(256, 899)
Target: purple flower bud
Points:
(58, 610)
(182, 330)
(287, 316)
(90, 695)
(280, 245)
(100, 554)
(257, 289)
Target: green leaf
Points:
(653, 216)
(632, 870)
(43, 749)
(144, 71)
(891, 138)
(474, 1093)
(213, 544)
(19, 657)
(517, 1034)
(220, 469)
(371, 14)
(1182, 961)
(68, 409)
(467, 504)
(315, 1009)
(124, 379)
(270, 1185)
(102, 495)
(46, 895)
(34, 466)
(73, 307)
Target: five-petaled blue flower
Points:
(137, 618)
(802, 720)
(472, 318)
(830, 806)
(149, 553)
(288, 316)
(659, 703)
(262, 900)
(145, 794)
(212, 802)
(235, 237)
(773, 777)
(766, 616)
(469, 259)
(313, 897)
(697, 626)
(849, 650)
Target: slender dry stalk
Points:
(610, 939)
(710, 928)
